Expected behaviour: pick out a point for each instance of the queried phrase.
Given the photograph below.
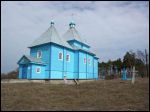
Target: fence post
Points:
(124, 74)
(133, 75)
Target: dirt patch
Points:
(96, 95)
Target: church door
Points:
(24, 71)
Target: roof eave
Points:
(38, 45)
(51, 43)
(32, 62)
(86, 51)
(21, 58)
(78, 42)
(96, 57)
(63, 46)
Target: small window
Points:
(38, 70)
(89, 61)
(39, 54)
(68, 57)
(85, 60)
(60, 56)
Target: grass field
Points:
(97, 95)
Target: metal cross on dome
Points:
(72, 15)
(52, 17)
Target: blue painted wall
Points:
(28, 71)
(56, 68)
(61, 68)
(56, 64)
(76, 64)
(36, 75)
(45, 56)
(89, 66)
(82, 66)
(69, 65)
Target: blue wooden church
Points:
(55, 57)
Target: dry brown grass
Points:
(98, 95)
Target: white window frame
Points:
(39, 69)
(58, 56)
(68, 58)
(38, 54)
(85, 60)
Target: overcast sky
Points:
(110, 28)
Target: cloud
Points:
(111, 28)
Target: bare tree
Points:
(146, 59)
(143, 56)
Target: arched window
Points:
(89, 61)
(38, 70)
(84, 60)
(60, 56)
(68, 58)
(39, 54)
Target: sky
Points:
(110, 28)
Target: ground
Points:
(97, 95)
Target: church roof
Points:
(72, 34)
(30, 59)
(33, 59)
(51, 35)
(78, 48)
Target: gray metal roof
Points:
(33, 59)
(78, 48)
(72, 34)
(51, 35)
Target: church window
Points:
(39, 54)
(60, 57)
(38, 70)
(68, 57)
(89, 61)
(84, 60)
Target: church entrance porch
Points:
(24, 71)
